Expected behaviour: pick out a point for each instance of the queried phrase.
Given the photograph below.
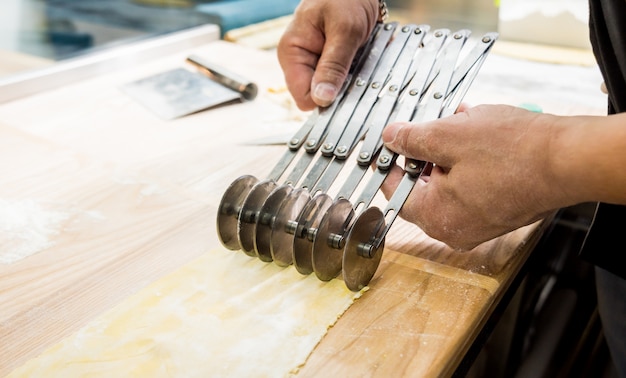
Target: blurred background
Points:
(549, 327)
(34, 33)
(37, 32)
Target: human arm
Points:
(498, 168)
(317, 48)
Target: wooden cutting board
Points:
(124, 198)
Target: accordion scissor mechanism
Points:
(302, 214)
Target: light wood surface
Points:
(262, 35)
(13, 62)
(135, 198)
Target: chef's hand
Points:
(493, 173)
(318, 46)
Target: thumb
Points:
(332, 68)
(419, 141)
(395, 136)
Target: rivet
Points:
(342, 149)
(364, 155)
(365, 250)
(384, 159)
(294, 141)
(486, 39)
(393, 88)
(376, 85)
(438, 95)
(291, 227)
(336, 241)
(328, 146)
(310, 142)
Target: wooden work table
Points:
(91, 154)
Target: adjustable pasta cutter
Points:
(300, 214)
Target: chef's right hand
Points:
(319, 45)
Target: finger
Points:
(463, 107)
(424, 141)
(409, 210)
(331, 71)
(335, 61)
(392, 181)
(298, 75)
(298, 60)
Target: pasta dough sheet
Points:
(223, 315)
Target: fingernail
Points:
(390, 132)
(325, 92)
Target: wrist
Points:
(593, 151)
(572, 160)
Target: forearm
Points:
(589, 158)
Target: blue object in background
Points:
(531, 107)
(233, 14)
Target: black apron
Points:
(605, 244)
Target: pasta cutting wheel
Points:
(306, 230)
(307, 213)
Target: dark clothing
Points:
(607, 24)
(612, 307)
(605, 244)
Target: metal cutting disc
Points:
(266, 219)
(358, 269)
(247, 221)
(328, 243)
(308, 222)
(281, 237)
(230, 206)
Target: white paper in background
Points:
(561, 23)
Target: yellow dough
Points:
(223, 315)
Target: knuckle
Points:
(333, 70)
